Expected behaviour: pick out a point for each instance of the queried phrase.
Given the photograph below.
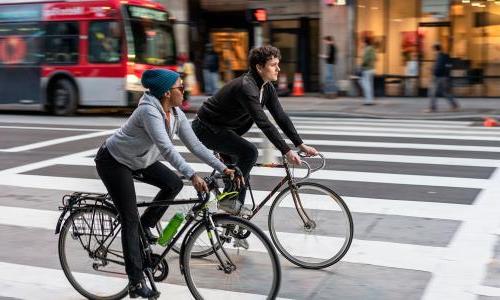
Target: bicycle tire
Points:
(75, 269)
(262, 260)
(311, 246)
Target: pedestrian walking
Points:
(441, 83)
(211, 70)
(330, 57)
(368, 71)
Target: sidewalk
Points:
(474, 109)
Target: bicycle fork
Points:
(309, 224)
(224, 265)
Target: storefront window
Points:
(370, 16)
(404, 33)
(403, 48)
(476, 40)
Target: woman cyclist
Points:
(135, 149)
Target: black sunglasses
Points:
(180, 87)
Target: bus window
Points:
(61, 43)
(104, 42)
(20, 43)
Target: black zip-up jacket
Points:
(237, 105)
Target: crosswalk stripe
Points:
(29, 282)
(414, 146)
(49, 128)
(57, 141)
(352, 122)
(344, 176)
(388, 254)
(414, 159)
(356, 204)
(454, 132)
(365, 121)
(389, 134)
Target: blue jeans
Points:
(330, 84)
(211, 80)
(366, 82)
(440, 84)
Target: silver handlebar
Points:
(308, 166)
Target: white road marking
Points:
(402, 135)
(57, 141)
(343, 175)
(50, 128)
(388, 254)
(29, 282)
(464, 263)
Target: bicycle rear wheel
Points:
(236, 271)
(318, 239)
(91, 254)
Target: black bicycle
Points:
(310, 224)
(91, 254)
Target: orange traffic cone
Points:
(283, 85)
(490, 122)
(195, 89)
(298, 85)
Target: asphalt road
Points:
(424, 197)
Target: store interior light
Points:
(465, 1)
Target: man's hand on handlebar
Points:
(308, 150)
(199, 184)
(293, 158)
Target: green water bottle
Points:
(171, 229)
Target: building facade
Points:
(291, 25)
(404, 33)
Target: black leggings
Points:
(240, 151)
(119, 182)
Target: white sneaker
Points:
(234, 207)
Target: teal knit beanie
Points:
(158, 81)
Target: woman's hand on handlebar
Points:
(308, 150)
(199, 184)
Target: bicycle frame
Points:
(288, 178)
(79, 200)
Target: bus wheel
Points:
(63, 98)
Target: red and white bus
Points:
(61, 55)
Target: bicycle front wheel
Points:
(91, 254)
(311, 226)
(236, 267)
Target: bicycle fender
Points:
(186, 238)
(184, 241)
(61, 219)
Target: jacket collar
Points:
(148, 99)
(256, 77)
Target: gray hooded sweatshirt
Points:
(144, 139)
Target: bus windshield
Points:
(150, 37)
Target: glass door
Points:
(429, 34)
(287, 41)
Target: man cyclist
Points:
(226, 116)
(136, 149)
